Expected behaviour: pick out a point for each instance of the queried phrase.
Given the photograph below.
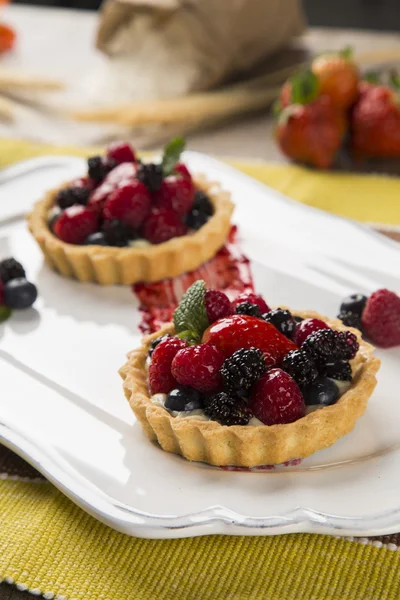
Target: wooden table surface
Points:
(42, 28)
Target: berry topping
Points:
(196, 219)
(19, 293)
(350, 319)
(202, 203)
(11, 269)
(53, 215)
(129, 203)
(182, 170)
(199, 367)
(300, 367)
(96, 239)
(217, 305)
(354, 304)
(242, 369)
(162, 225)
(226, 410)
(190, 317)
(154, 343)
(340, 369)
(72, 195)
(247, 308)
(151, 175)
(120, 152)
(117, 233)
(350, 344)
(381, 318)
(253, 299)
(161, 379)
(276, 399)
(75, 224)
(99, 167)
(323, 391)
(282, 320)
(184, 399)
(306, 328)
(327, 345)
(242, 331)
(175, 193)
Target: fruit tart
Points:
(129, 221)
(242, 385)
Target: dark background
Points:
(363, 14)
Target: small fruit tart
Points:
(243, 385)
(129, 221)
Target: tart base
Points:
(248, 446)
(108, 265)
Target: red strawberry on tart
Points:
(130, 221)
(229, 384)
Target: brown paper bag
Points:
(164, 48)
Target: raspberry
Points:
(306, 328)
(247, 308)
(121, 152)
(253, 299)
(282, 320)
(157, 341)
(276, 399)
(242, 331)
(99, 167)
(10, 269)
(117, 233)
(75, 224)
(217, 305)
(242, 369)
(300, 367)
(326, 345)
(350, 319)
(175, 193)
(199, 367)
(182, 170)
(161, 380)
(162, 225)
(83, 182)
(119, 176)
(151, 175)
(129, 203)
(226, 410)
(339, 369)
(72, 195)
(381, 318)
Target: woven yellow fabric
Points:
(368, 198)
(49, 544)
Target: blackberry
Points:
(339, 369)
(72, 195)
(226, 410)
(196, 219)
(283, 320)
(154, 343)
(151, 174)
(11, 269)
(247, 308)
(354, 304)
(300, 367)
(202, 203)
(99, 167)
(350, 344)
(326, 345)
(117, 233)
(350, 319)
(240, 371)
(298, 319)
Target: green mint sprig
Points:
(172, 154)
(190, 317)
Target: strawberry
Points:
(375, 123)
(175, 193)
(75, 224)
(311, 133)
(244, 331)
(381, 318)
(129, 203)
(161, 380)
(276, 399)
(162, 225)
(338, 78)
(199, 367)
(117, 177)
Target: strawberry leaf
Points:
(347, 52)
(276, 108)
(394, 80)
(305, 87)
(5, 313)
(172, 154)
(190, 317)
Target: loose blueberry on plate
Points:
(323, 391)
(183, 399)
(19, 293)
(351, 310)
(11, 269)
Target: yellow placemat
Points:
(49, 546)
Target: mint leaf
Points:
(305, 87)
(276, 108)
(394, 79)
(5, 313)
(172, 154)
(190, 317)
(347, 52)
(371, 77)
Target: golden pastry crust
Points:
(109, 265)
(250, 446)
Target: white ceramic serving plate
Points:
(62, 407)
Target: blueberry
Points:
(155, 343)
(282, 319)
(354, 304)
(202, 203)
(20, 293)
(97, 239)
(183, 399)
(196, 219)
(323, 391)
